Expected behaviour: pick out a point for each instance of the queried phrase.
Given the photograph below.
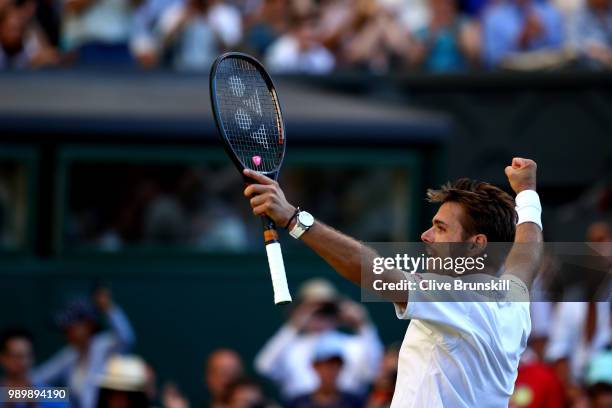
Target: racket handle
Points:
(276, 264)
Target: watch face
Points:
(305, 219)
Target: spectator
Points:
(79, 365)
(384, 384)
(97, 32)
(599, 232)
(246, 393)
(599, 380)
(515, 26)
(287, 357)
(377, 42)
(412, 15)
(537, 385)
(579, 330)
(172, 397)
(197, 30)
(16, 358)
(591, 33)
(223, 367)
(22, 44)
(266, 25)
(145, 41)
(123, 383)
(448, 43)
(299, 50)
(327, 363)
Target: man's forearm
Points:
(342, 252)
(525, 257)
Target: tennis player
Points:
(454, 354)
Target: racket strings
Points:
(249, 115)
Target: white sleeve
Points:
(270, 360)
(227, 22)
(170, 19)
(55, 371)
(563, 333)
(373, 351)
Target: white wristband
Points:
(528, 207)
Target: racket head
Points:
(247, 113)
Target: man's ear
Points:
(478, 243)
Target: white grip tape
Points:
(277, 273)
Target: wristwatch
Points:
(304, 221)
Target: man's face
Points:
(16, 360)
(328, 371)
(446, 225)
(223, 368)
(79, 333)
(12, 28)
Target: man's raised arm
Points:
(342, 252)
(525, 257)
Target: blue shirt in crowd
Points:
(65, 369)
(503, 24)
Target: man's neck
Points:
(326, 395)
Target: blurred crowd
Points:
(326, 355)
(118, 207)
(309, 36)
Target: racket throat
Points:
(269, 231)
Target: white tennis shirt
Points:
(460, 354)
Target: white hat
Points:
(329, 345)
(124, 373)
(318, 290)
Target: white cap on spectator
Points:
(330, 345)
(318, 290)
(124, 373)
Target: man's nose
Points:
(427, 236)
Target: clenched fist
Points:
(267, 198)
(522, 174)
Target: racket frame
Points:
(215, 107)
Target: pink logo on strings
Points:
(256, 160)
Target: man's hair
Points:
(488, 209)
(14, 333)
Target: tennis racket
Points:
(250, 124)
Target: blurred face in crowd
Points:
(599, 232)
(324, 318)
(443, 11)
(328, 371)
(16, 358)
(600, 5)
(602, 398)
(223, 367)
(118, 399)
(12, 29)
(275, 9)
(199, 5)
(246, 396)
(79, 333)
